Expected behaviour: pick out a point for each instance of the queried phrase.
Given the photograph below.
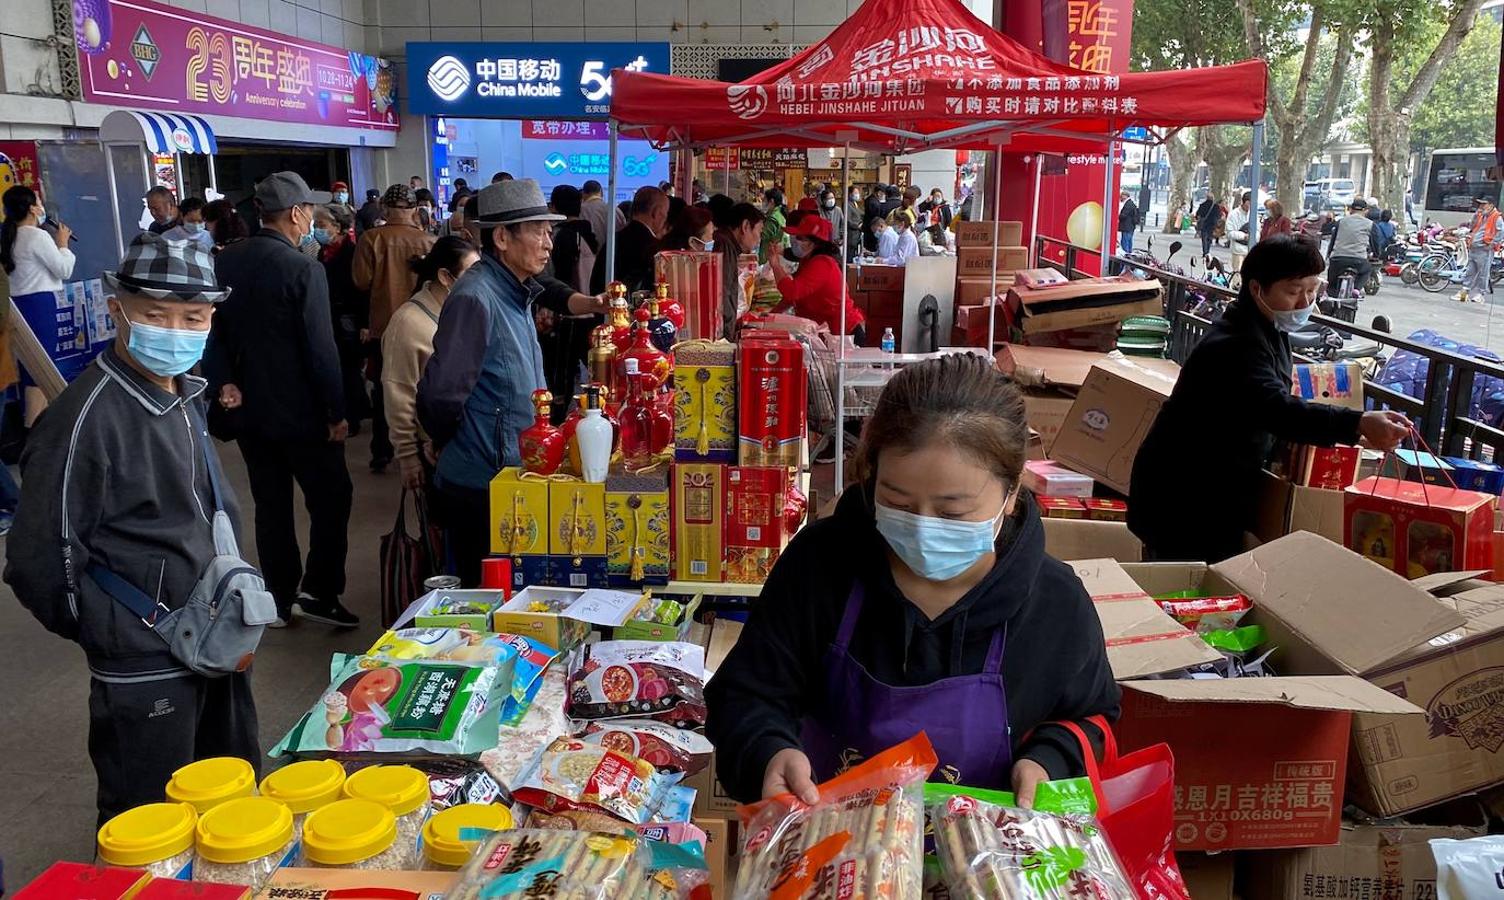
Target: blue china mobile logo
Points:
(555, 164)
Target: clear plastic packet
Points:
(1203, 614)
(993, 852)
(528, 863)
(574, 775)
(665, 871)
(863, 840)
(1468, 869)
(663, 680)
(383, 706)
(521, 658)
(666, 747)
(519, 745)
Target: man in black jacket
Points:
(1234, 396)
(116, 479)
(635, 244)
(272, 364)
(1128, 221)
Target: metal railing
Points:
(1443, 412)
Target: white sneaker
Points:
(1460, 296)
(278, 622)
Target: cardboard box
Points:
(978, 262)
(563, 617)
(772, 400)
(723, 637)
(83, 881)
(1413, 466)
(878, 277)
(638, 630)
(1417, 529)
(1334, 384)
(520, 525)
(989, 233)
(1208, 876)
(173, 889)
(1141, 638)
(1105, 509)
(1050, 479)
(1046, 367)
(705, 402)
(1082, 303)
(1045, 411)
(711, 800)
(1285, 508)
(717, 851)
(1369, 862)
(1068, 539)
(637, 528)
(1472, 475)
(699, 521)
(972, 291)
(1061, 507)
(470, 609)
(577, 534)
(1330, 468)
(1111, 416)
(355, 884)
(755, 535)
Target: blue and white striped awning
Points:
(161, 132)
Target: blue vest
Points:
(501, 403)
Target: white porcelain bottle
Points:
(594, 437)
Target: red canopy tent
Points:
(907, 75)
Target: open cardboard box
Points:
(1050, 378)
(1083, 302)
(1286, 508)
(1072, 539)
(1141, 638)
(1117, 404)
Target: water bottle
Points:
(889, 342)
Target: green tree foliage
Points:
(1459, 111)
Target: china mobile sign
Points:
(561, 81)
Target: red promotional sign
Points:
(18, 165)
(149, 56)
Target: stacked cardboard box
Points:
(877, 291)
(979, 247)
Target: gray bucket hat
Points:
(167, 270)
(511, 202)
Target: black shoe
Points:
(379, 463)
(327, 612)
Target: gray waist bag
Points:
(217, 630)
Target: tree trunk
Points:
(1289, 177)
(1223, 147)
(1182, 168)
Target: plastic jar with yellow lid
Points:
(157, 838)
(243, 841)
(305, 786)
(443, 848)
(353, 834)
(209, 782)
(404, 791)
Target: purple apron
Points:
(962, 715)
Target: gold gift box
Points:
(637, 529)
(520, 524)
(705, 401)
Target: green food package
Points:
(1066, 797)
(1237, 640)
(392, 706)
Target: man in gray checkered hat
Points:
(116, 477)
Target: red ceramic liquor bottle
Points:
(663, 420)
(672, 309)
(636, 421)
(542, 443)
(661, 328)
(619, 318)
(654, 365)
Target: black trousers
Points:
(381, 436)
(319, 470)
(466, 517)
(140, 733)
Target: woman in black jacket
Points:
(925, 603)
(1234, 397)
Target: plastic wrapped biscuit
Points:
(561, 865)
(864, 840)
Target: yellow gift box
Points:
(699, 513)
(637, 529)
(520, 524)
(576, 533)
(705, 401)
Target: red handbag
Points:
(1136, 808)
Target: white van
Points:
(1329, 193)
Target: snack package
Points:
(474, 786)
(572, 774)
(528, 863)
(667, 871)
(674, 833)
(523, 658)
(862, 841)
(518, 746)
(666, 747)
(992, 852)
(1204, 614)
(1467, 870)
(662, 680)
(383, 706)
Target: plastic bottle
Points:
(594, 437)
(890, 343)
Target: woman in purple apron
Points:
(925, 603)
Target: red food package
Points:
(663, 680)
(667, 748)
(1203, 614)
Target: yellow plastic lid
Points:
(240, 830)
(401, 789)
(305, 786)
(348, 831)
(441, 833)
(210, 782)
(147, 834)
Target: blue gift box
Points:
(1471, 475)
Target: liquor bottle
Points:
(572, 422)
(619, 317)
(541, 443)
(594, 438)
(636, 421)
(672, 309)
(661, 328)
(663, 420)
(603, 359)
(653, 364)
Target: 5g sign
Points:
(595, 77)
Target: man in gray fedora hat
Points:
(119, 475)
(475, 397)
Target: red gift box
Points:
(694, 279)
(1330, 468)
(772, 400)
(1418, 529)
(1061, 507)
(755, 532)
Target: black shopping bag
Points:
(407, 560)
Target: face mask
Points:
(41, 218)
(167, 352)
(703, 246)
(830, 203)
(800, 251)
(322, 236)
(1288, 320)
(936, 549)
(341, 197)
(193, 228)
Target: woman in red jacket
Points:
(817, 290)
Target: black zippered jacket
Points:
(1054, 663)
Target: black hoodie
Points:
(1054, 665)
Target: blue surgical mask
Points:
(937, 549)
(799, 250)
(193, 228)
(168, 352)
(322, 235)
(41, 218)
(341, 197)
(1288, 320)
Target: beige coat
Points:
(406, 346)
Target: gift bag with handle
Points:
(1136, 807)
